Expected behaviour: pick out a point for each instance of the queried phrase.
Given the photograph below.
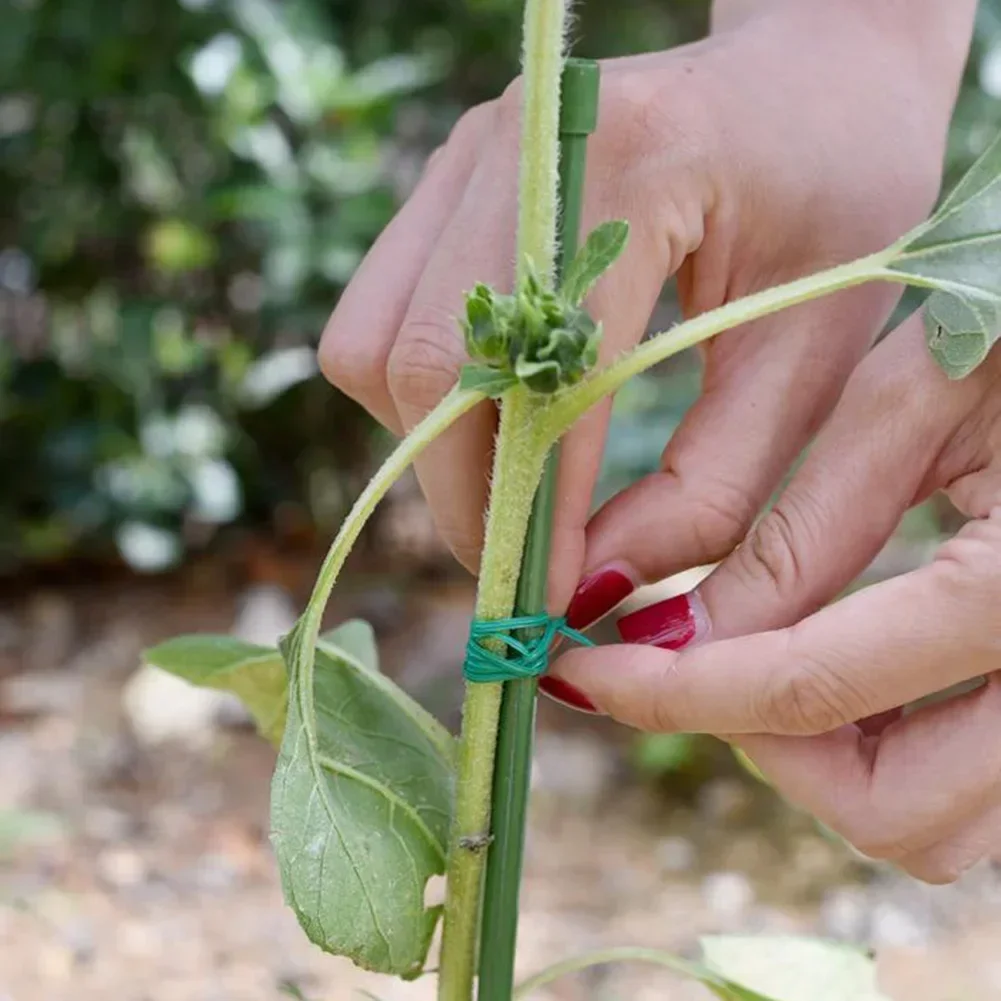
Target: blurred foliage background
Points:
(185, 187)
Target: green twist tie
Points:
(530, 657)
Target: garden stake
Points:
(578, 117)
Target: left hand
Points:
(812, 696)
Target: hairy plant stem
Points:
(518, 464)
(572, 404)
(520, 458)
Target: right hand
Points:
(799, 139)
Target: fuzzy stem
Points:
(545, 24)
(574, 403)
(451, 408)
(521, 454)
(519, 459)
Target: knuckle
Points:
(423, 363)
(721, 516)
(805, 697)
(771, 552)
(967, 565)
(357, 372)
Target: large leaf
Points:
(356, 639)
(255, 674)
(786, 968)
(360, 805)
(957, 254)
(601, 250)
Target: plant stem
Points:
(545, 23)
(521, 454)
(574, 403)
(518, 463)
(451, 408)
(626, 954)
(516, 726)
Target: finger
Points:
(768, 388)
(929, 779)
(867, 467)
(477, 245)
(883, 647)
(355, 346)
(622, 302)
(429, 353)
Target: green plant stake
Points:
(512, 769)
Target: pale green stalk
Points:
(603, 957)
(518, 463)
(570, 405)
(538, 191)
(455, 404)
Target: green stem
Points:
(625, 954)
(518, 463)
(545, 23)
(574, 403)
(451, 408)
(516, 726)
(521, 454)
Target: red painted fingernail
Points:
(672, 624)
(561, 691)
(598, 593)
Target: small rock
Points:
(50, 630)
(121, 868)
(103, 823)
(10, 633)
(676, 854)
(726, 801)
(43, 693)
(577, 769)
(844, 914)
(729, 895)
(161, 708)
(266, 613)
(893, 927)
(216, 872)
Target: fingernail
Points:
(598, 593)
(561, 691)
(672, 624)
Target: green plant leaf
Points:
(601, 250)
(255, 674)
(787, 968)
(356, 639)
(491, 382)
(360, 806)
(957, 254)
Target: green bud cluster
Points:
(535, 337)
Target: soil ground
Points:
(143, 872)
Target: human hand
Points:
(922, 789)
(803, 136)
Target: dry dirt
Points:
(148, 876)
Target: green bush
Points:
(185, 187)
